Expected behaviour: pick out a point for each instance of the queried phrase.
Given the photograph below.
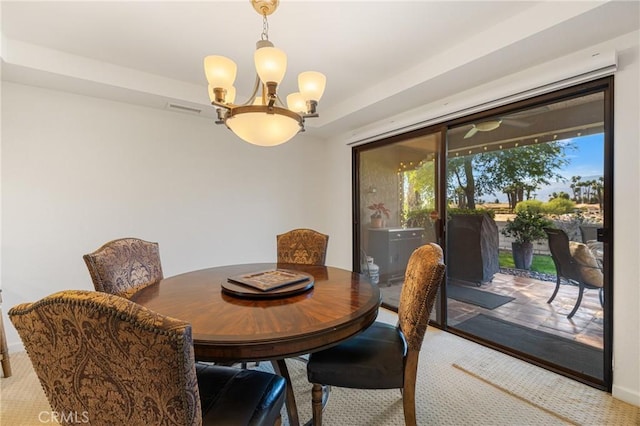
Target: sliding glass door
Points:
(520, 199)
(527, 232)
(398, 207)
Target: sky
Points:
(587, 161)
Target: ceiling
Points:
(380, 57)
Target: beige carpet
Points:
(459, 383)
(553, 393)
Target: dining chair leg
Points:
(553, 296)
(316, 404)
(280, 367)
(575, 308)
(4, 351)
(409, 388)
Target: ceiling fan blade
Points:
(471, 132)
(515, 123)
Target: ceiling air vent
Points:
(183, 108)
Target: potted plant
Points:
(376, 217)
(526, 228)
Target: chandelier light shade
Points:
(263, 119)
(271, 63)
(311, 85)
(220, 71)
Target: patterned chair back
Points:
(124, 266)
(102, 359)
(302, 247)
(421, 283)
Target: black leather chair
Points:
(384, 356)
(112, 361)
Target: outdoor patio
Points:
(530, 308)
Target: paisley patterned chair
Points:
(385, 356)
(124, 266)
(303, 247)
(102, 359)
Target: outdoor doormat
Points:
(481, 298)
(563, 352)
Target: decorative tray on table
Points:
(268, 283)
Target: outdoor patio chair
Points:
(589, 232)
(576, 264)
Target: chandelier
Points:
(263, 119)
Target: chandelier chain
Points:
(265, 28)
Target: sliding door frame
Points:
(604, 85)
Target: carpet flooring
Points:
(459, 383)
(484, 299)
(558, 350)
(565, 398)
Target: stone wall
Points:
(504, 243)
(571, 227)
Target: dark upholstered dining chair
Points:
(576, 264)
(102, 359)
(302, 246)
(124, 266)
(385, 356)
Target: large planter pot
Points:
(522, 255)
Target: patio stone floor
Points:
(530, 308)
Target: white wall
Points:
(626, 270)
(79, 171)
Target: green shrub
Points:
(456, 211)
(536, 206)
(527, 226)
(559, 206)
(419, 218)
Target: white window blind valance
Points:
(536, 81)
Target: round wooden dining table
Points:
(229, 328)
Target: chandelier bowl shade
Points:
(256, 125)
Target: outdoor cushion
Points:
(589, 268)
